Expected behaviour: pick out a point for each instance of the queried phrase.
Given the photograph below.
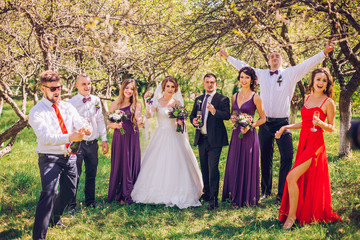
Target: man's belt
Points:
(269, 119)
(89, 142)
(50, 154)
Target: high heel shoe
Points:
(289, 223)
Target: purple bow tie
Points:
(274, 72)
(86, 99)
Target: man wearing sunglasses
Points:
(89, 107)
(56, 124)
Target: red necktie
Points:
(61, 122)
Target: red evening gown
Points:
(314, 203)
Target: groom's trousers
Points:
(209, 162)
(266, 138)
(54, 169)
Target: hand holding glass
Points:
(199, 118)
(316, 115)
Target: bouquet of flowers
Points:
(242, 120)
(181, 114)
(118, 116)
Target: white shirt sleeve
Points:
(101, 123)
(44, 134)
(237, 63)
(296, 73)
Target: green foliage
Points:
(20, 189)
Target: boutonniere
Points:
(97, 105)
(279, 80)
(199, 102)
(149, 101)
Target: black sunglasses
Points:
(53, 89)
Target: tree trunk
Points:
(293, 112)
(345, 113)
(8, 147)
(345, 119)
(24, 98)
(296, 103)
(36, 97)
(13, 130)
(104, 105)
(1, 105)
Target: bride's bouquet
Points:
(181, 114)
(242, 120)
(118, 116)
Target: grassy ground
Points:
(20, 189)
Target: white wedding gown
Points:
(169, 172)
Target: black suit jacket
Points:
(216, 131)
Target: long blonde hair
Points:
(133, 99)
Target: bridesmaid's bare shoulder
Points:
(113, 106)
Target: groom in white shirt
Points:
(56, 124)
(277, 87)
(89, 108)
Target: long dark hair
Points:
(329, 91)
(250, 72)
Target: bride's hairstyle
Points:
(133, 99)
(250, 72)
(170, 79)
(330, 82)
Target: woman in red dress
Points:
(307, 196)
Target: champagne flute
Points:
(316, 114)
(199, 118)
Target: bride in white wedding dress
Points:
(169, 172)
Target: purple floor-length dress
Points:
(125, 161)
(241, 182)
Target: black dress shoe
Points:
(71, 210)
(213, 204)
(94, 204)
(58, 224)
(204, 198)
(61, 225)
(262, 197)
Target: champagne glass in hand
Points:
(199, 118)
(316, 115)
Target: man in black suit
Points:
(210, 136)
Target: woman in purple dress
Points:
(125, 149)
(241, 182)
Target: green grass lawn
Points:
(20, 189)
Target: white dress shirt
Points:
(203, 128)
(91, 111)
(276, 98)
(43, 119)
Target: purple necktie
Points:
(86, 99)
(204, 106)
(274, 72)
